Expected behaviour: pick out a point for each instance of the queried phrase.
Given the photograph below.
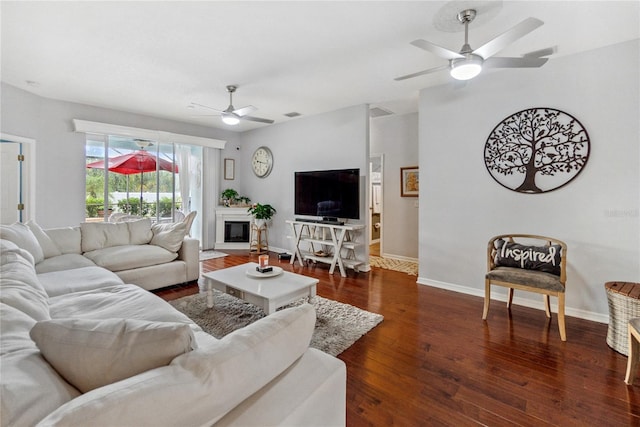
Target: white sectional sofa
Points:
(80, 347)
(150, 256)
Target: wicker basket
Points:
(624, 304)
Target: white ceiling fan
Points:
(468, 63)
(231, 115)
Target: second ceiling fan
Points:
(468, 63)
(233, 116)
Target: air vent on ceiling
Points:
(293, 114)
(379, 112)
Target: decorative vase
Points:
(260, 223)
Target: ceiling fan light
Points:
(466, 68)
(230, 119)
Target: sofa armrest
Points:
(190, 253)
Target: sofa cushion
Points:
(67, 239)
(49, 248)
(92, 353)
(211, 380)
(541, 258)
(24, 238)
(63, 262)
(98, 235)
(127, 257)
(122, 301)
(521, 276)
(57, 283)
(19, 285)
(30, 388)
(169, 235)
(140, 231)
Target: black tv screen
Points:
(329, 194)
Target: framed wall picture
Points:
(409, 181)
(229, 169)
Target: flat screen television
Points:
(329, 194)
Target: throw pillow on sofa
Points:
(67, 239)
(139, 231)
(98, 235)
(169, 235)
(49, 248)
(91, 353)
(22, 236)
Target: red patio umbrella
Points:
(138, 162)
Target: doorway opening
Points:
(376, 163)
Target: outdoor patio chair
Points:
(115, 217)
(178, 216)
(125, 218)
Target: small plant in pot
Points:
(229, 197)
(243, 200)
(261, 213)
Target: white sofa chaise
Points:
(150, 256)
(104, 353)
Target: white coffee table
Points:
(270, 292)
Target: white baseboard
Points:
(581, 314)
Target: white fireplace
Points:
(232, 228)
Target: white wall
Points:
(334, 140)
(597, 214)
(60, 152)
(397, 138)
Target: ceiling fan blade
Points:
(245, 110)
(257, 119)
(542, 52)
(206, 106)
(503, 40)
(421, 73)
(499, 62)
(440, 51)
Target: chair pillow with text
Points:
(540, 258)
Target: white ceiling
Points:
(155, 58)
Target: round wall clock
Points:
(262, 162)
(536, 150)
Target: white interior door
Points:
(15, 179)
(10, 182)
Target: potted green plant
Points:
(243, 200)
(229, 197)
(261, 213)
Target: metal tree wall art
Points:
(536, 150)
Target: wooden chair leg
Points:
(487, 298)
(509, 297)
(561, 324)
(547, 305)
(634, 356)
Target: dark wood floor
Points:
(434, 362)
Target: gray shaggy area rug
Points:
(338, 325)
